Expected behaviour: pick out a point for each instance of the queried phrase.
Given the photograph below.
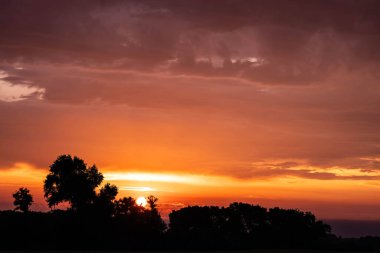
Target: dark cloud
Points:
(299, 42)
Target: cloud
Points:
(215, 125)
(13, 92)
(137, 188)
(297, 43)
(305, 170)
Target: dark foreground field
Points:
(227, 251)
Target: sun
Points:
(141, 201)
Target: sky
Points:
(197, 102)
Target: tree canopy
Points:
(242, 225)
(70, 180)
(22, 199)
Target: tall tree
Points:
(152, 202)
(71, 180)
(22, 199)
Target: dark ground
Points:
(227, 251)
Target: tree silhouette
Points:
(23, 199)
(245, 219)
(127, 206)
(72, 181)
(243, 226)
(108, 192)
(105, 200)
(152, 202)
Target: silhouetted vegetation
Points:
(71, 180)
(245, 226)
(22, 200)
(97, 220)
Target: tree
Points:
(23, 199)
(108, 192)
(71, 180)
(152, 202)
(127, 206)
(105, 199)
(246, 219)
(153, 217)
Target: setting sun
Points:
(141, 201)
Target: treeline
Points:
(246, 226)
(191, 228)
(96, 219)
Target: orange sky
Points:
(332, 199)
(197, 102)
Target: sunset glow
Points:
(196, 102)
(141, 201)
